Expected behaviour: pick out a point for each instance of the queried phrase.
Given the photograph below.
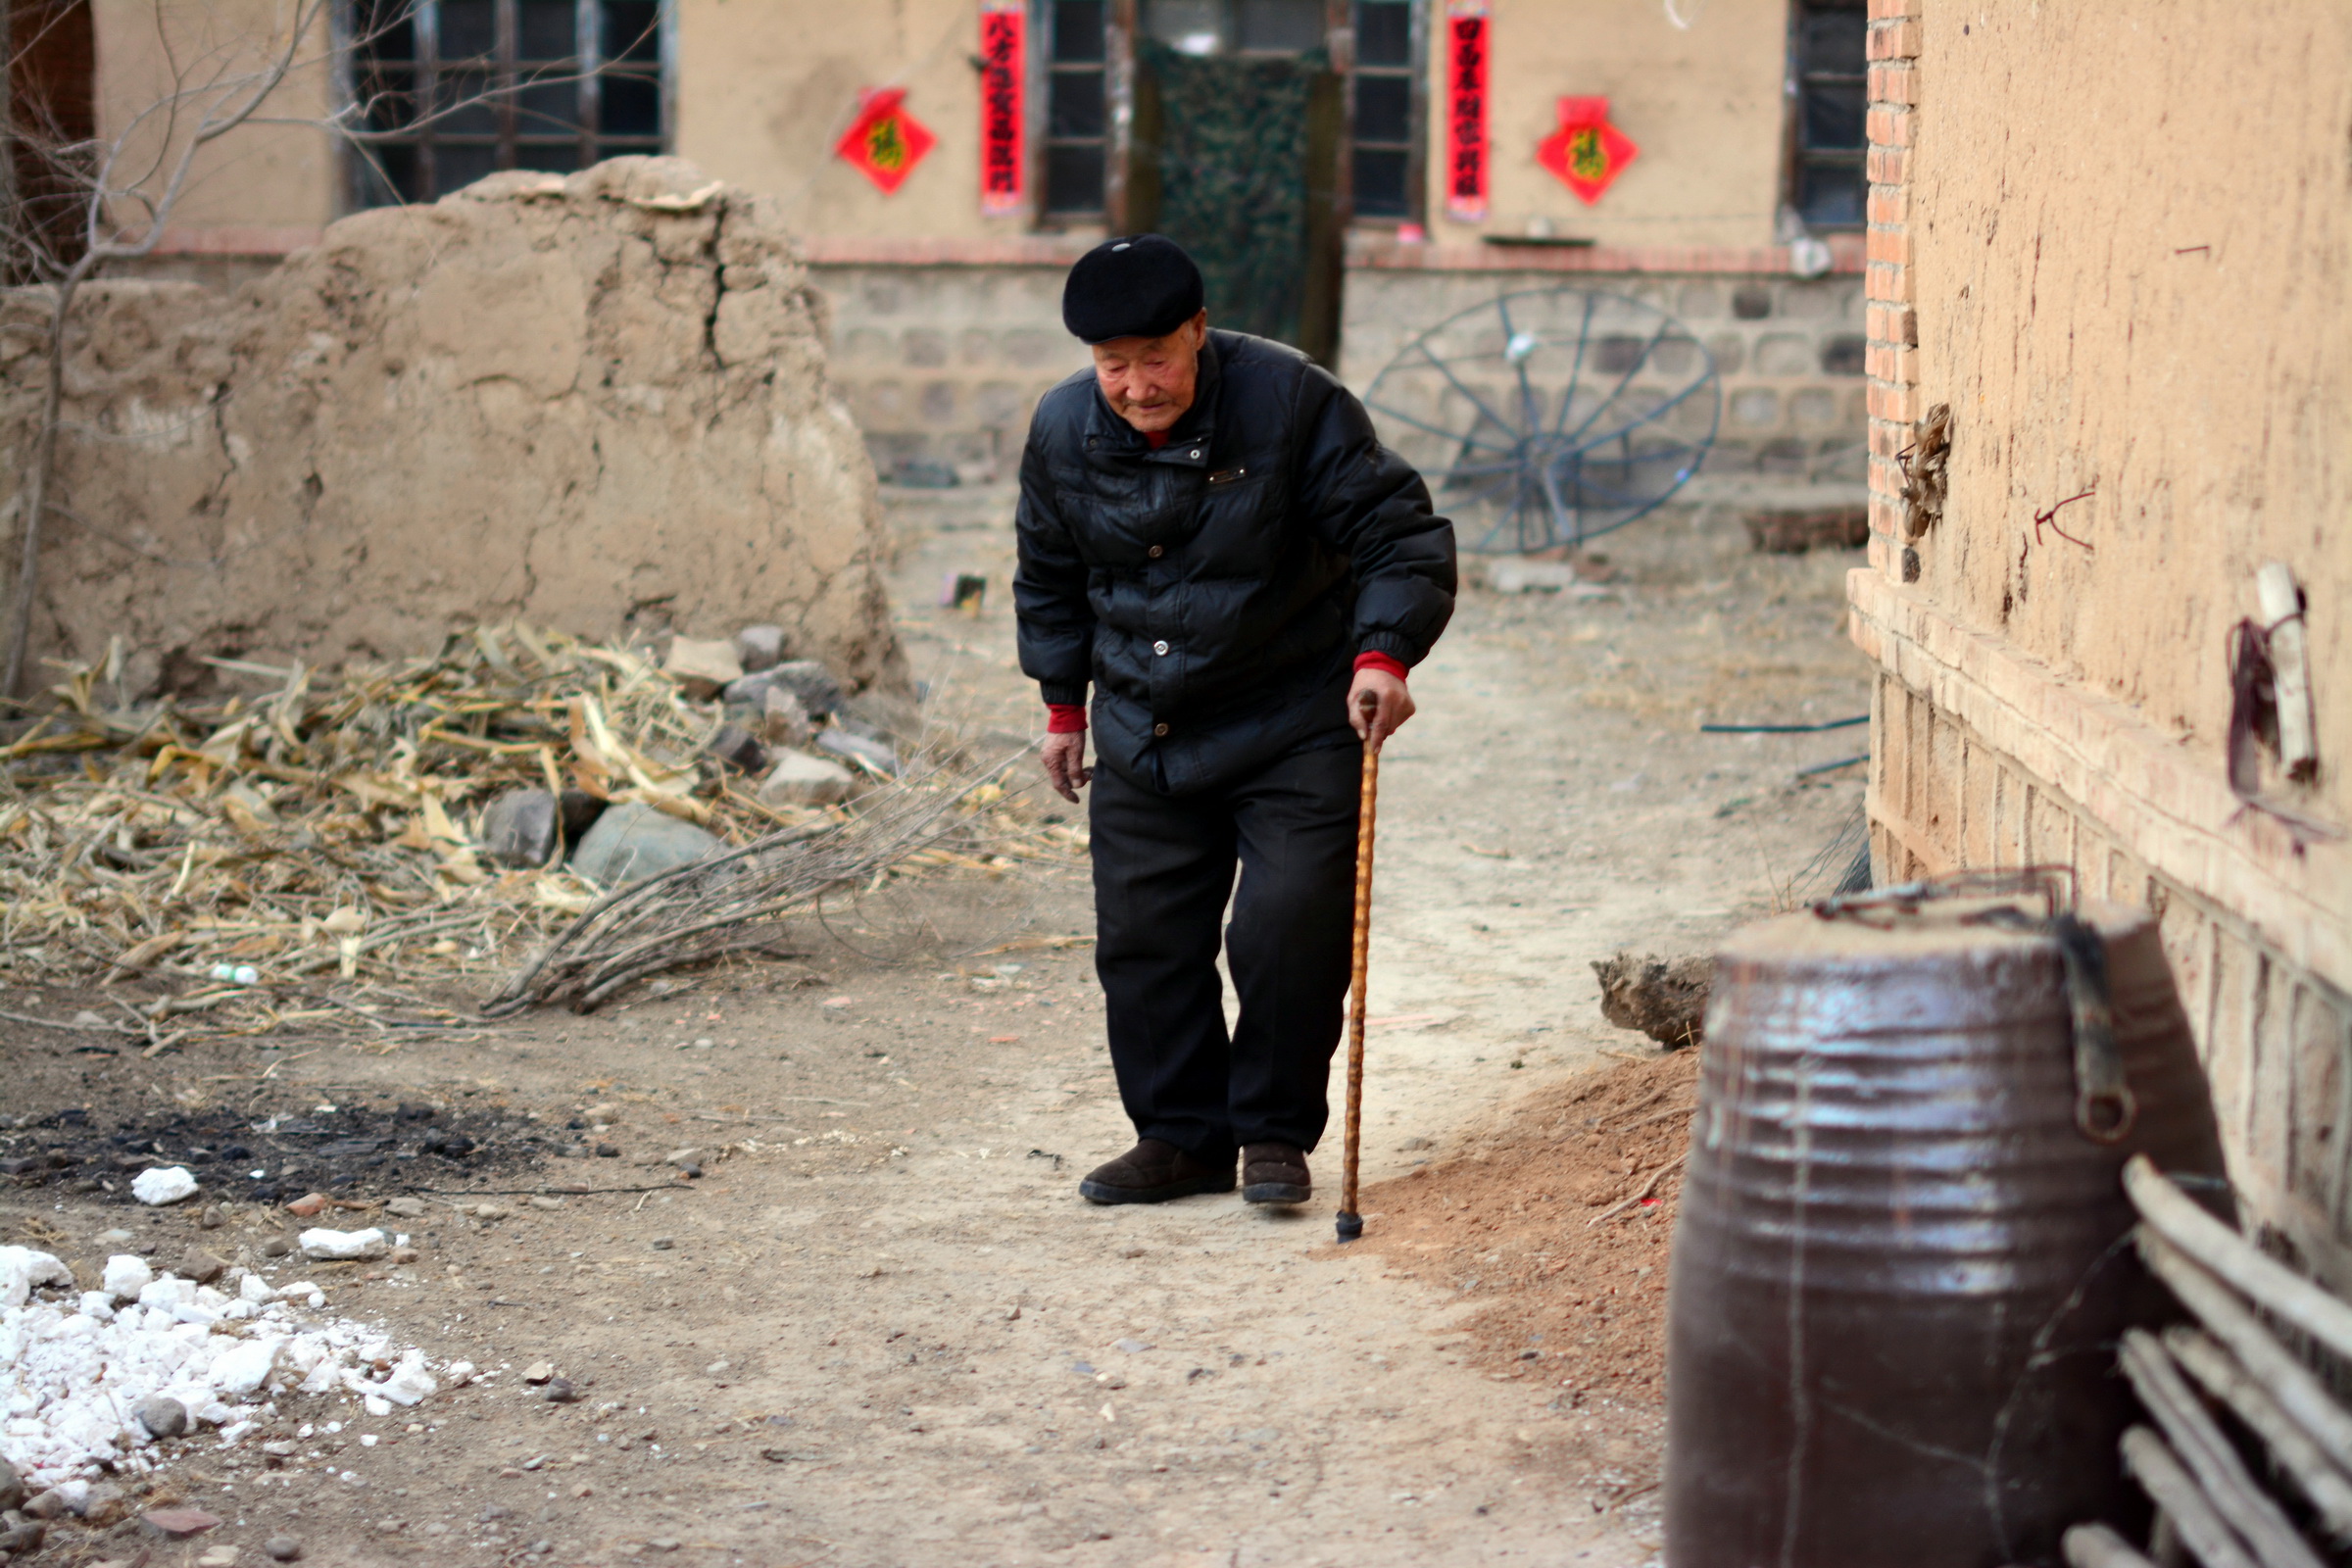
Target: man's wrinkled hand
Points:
(1393, 705)
(1064, 757)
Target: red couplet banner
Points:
(1001, 78)
(885, 142)
(1468, 44)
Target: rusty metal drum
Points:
(1901, 1265)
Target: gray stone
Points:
(799, 779)
(807, 679)
(203, 1267)
(758, 647)
(633, 841)
(738, 749)
(45, 1505)
(1666, 998)
(162, 1416)
(12, 1485)
(782, 720)
(1784, 354)
(19, 1533)
(212, 1218)
(519, 828)
(282, 1549)
(840, 742)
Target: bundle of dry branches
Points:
(320, 834)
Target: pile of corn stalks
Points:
(303, 858)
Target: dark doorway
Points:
(52, 119)
(1239, 126)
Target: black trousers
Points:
(1164, 868)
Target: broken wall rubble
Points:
(597, 403)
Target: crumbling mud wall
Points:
(596, 403)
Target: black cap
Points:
(1141, 286)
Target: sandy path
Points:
(840, 1291)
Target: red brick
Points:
(1889, 245)
(1881, 552)
(1894, 402)
(1888, 204)
(1895, 83)
(1886, 514)
(1888, 166)
(1892, 324)
(1892, 362)
(1887, 440)
(1895, 40)
(1890, 128)
(1887, 282)
(1893, 9)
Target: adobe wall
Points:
(597, 404)
(1703, 104)
(2127, 294)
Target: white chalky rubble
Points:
(163, 1184)
(76, 1367)
(322, 1243)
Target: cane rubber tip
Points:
(1350, 1226)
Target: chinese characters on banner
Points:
(885, 142)
(1000, 81)
(1587, 152)
(1468, 41)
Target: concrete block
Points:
(1755, 407)
(1785, 354)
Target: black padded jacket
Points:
(1217, 590)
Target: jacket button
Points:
(1161, 649)
(1160, 729)
(1156, 551)
(1195, 452)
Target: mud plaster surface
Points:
(596, 403)
(1297, 1404)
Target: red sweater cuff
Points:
(1380, 661)
(1065, 718)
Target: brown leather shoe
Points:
(1153, 1172)
(1275, 1173)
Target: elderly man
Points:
(1214, 537)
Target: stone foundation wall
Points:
(942, 364)
(1789, 351)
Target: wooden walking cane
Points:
(1350, 1223)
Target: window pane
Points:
(555, 157)
(1384, 34)
(1380, 182)
(456, 167)
(1830, 195)
(1196, 27)
(462, 95)
(631, 32)
(1077, 104)
(1832, 41)
(1073, 180)
(1292, 26)
(1833, 118)
(469, 29)
(385, 175)
(547, 30)
(384, 29)
(1078, 31)
(547, 109)
(632, 106)
(386, 96)
(1384, 109)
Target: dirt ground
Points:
(882, 1330)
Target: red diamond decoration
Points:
(1587, 152)
(885, 142)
